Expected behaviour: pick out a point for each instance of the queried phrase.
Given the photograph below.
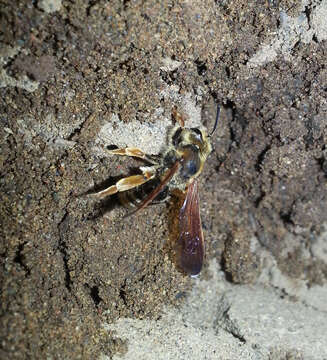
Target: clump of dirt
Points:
(69, 263)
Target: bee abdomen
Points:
(135, 196)
(129, 199)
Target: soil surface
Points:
(68, 68)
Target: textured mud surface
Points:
(67, 69)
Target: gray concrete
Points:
(224, 321)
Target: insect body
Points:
(178, 168)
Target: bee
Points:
(178, 168)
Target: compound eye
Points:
(198, 134)
(177, 137)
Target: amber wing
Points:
(190, 242)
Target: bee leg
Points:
(178, 117)
(127, 183)
(135, 152)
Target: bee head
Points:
(192, 147)
(183, 137)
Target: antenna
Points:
(216, 122)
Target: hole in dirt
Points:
(286, 218)
(201, 67)
(20, 258)
(94, 292)
(122, 294)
